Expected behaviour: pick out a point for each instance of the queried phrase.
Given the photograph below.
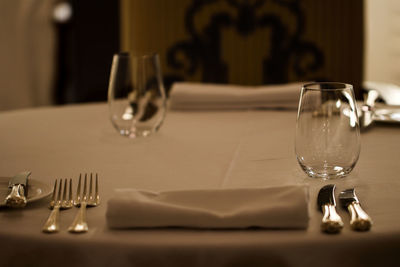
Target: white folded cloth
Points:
(197, 96)
(274, 207)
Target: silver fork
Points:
(88, 199)
(58, 202)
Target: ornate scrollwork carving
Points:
(288, 51)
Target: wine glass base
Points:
(327, 172)
(136, 134)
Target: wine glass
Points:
(327, 141)
(136, 95)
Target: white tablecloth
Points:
(193, 150)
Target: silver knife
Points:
(18, 185)
(331, 222)
(360, 221)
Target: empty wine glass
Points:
(136, 95)
(327, 141)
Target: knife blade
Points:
(18, 190)
(360, 221)
(331, 221)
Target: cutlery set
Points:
(331, 221)
(18, 190)
(89, 198)
(57, 203)
(63, 201)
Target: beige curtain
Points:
(382, 51)
(27, 45)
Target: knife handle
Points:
(16, 198)
(360, 221)
(331, 222)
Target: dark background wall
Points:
(86, 44)
(216, 41)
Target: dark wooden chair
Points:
(249, 42)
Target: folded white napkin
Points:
(192, 96)
(274, 207)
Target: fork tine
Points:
(64, 196)
(91, 188)
(97, 190)
(78, 191)
(67, 202)
(59, 192)
(91, 178)
(84, 196)
(94, 198)
(53, 197)
(54, 190)
(70, 191)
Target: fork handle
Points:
(79, 225)
(52, 225)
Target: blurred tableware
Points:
(371, 111)
(35, 190)
(371, 98)
(331, 221)
(386, 113)
(200, 96)
(380, 113)
(366, 109)
(58, 202)
(327, 141)
(136, 96)
(18, 186)
(389, 93)
(283, 207)
(360, 221)
(366, 116)
(89, 198)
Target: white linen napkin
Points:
(198, 96)
(275, 207)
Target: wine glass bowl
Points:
(327, 141)
(136, 95)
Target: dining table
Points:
(194, 149)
